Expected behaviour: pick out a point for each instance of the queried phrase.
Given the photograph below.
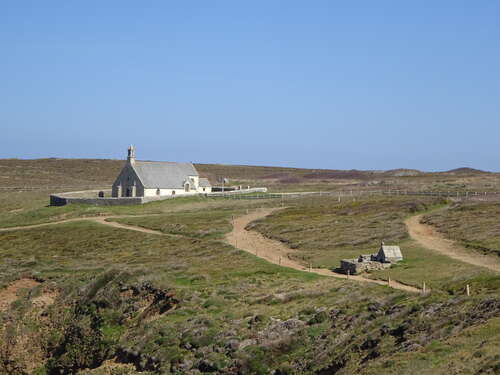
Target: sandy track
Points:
(97, 219)
(428, 237)
(250, 241)
(103, 220)
(277, 253)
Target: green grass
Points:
(111, 284)
(436, 270)
(464, 353)
(200, 224)
(324, 231)
(45, 214)
(87, 248)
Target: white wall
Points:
(196, 180)
(163, 192)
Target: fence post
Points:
(348, 274)
(389, 281)
(423, 288)
(467, 289)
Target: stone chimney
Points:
(131, 155)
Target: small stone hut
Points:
(385, 257)
(388, 254)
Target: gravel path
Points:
(428, 237)
(277, 253)
(250, 241)
(97, 219)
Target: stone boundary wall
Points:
(62, 199)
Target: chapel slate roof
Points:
(162, 174)
(204, 182)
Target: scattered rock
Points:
(232, 344)
(207, 366)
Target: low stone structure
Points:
(385, 257)
(64, 199)
(92, 197)
(355, 266)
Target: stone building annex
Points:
(156, 179)
(386, 256)
(146, 181)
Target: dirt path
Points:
(250, 241)
(277, 253)
(97, 219)
(428, 237)
(102, 220)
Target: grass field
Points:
(115, 301)
(474, 225)
(59, 175)
(325, 231)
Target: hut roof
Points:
(390, 252)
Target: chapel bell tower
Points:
(131, 155)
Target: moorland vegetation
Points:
(94, 299)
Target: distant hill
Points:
(56, 174)
(401, 172)
(466, 171)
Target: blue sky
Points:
(321, 84)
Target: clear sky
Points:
(325, 84)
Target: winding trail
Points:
(250, 241)
(277, 253)
(96, 219)
(428, 237)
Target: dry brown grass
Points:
(226, 294)
(323, 231)
(73, 174)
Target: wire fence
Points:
(360, 193)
